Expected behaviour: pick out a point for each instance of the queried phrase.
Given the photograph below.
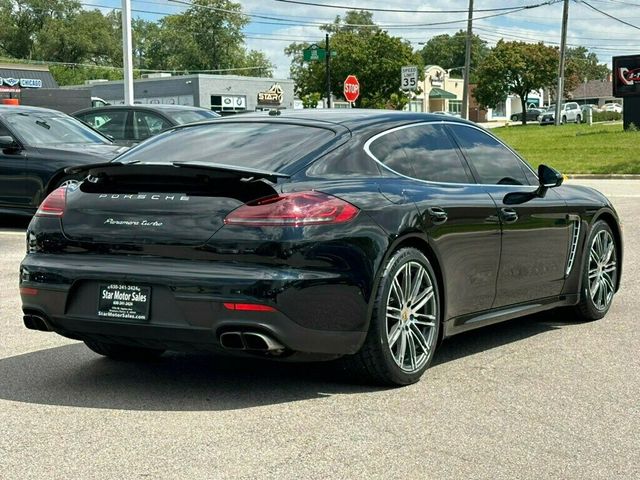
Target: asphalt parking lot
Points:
(537, 398)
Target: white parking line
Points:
(9, 232)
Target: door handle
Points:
(508, 215)
(437, 214)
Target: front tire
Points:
(405, 323)
(578, 119)
(599, 273)
(123, 352)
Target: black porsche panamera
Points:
(313, 235)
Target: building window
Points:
(455, 106)
(228, 103)
(499, 110)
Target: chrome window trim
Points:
(443, 122)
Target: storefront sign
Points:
(626, 73)
(20, 82)
(273, 96)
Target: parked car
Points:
(532, 115)
(442, 112)
(36, 145)
(570, 112)
(314, 234)
(131, 124)
(612, 107)
(588, 109)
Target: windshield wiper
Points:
(43, 124)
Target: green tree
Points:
(582, 65)
(21, 20)
(515, 68)
(366, 51)
(448, 51)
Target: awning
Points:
(440, 93)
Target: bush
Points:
(606, 116)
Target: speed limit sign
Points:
(409, 77)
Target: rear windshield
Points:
(181, 117)
(259, 145)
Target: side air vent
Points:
(575, 236)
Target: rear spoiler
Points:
(133, 168)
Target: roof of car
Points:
(351, 118)
(4, 109)
(147, 106)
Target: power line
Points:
(610, 16)
(400, 10)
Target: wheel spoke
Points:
(394, 334)
(424, 297)
(416, 285)
(594, 289)
(395, 286)
(609, 267)
(419, 337)
(607, 283)
(406, 282)
(412, 351)
(402, 349)
(593, 273)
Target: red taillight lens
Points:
(53, 205)
(249, 307)
(293, 209)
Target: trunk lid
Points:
(142, 204)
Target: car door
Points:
(146, 124)
(114, 123)
(535, 234)
(13, 163)
(459, 217)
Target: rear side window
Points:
(260, 145)
(112, 123)
(422, 151)
(493, 162)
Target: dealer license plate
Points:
(130, 302)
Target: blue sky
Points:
(601, 34)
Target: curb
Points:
(603, 176)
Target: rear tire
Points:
(564, 119)
(405, 324)
(123, 352)
(599, 273)
(578, 119)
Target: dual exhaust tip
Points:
(250, 341)
(36, 322)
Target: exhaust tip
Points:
(261, 342)
(232, 340)
(36, 322)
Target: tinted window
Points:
(147, 124)
(432, 154)
(493, 162)
(4, 131)
(181, 117)
(388, 150)
(261, 145)
(51, 129)
(112, 123)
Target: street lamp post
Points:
(127, 61)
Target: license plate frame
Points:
(121, 301)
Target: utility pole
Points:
(127, 61)
(563, 48)
(327, 60)
(467, 64)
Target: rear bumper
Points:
(316, 311)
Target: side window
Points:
(4, 131)
(110, 123)
(389, 151)
(432, 154)
(492, 161)
(147, 124)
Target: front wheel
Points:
(599, 273)
(405, 323)
(578, 119)
(564, 119)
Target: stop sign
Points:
(351, 88)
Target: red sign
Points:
(351, 88)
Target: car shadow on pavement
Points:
(71, 375)
(14, 222)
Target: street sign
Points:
(409, 77)
(351, 88)
(314, 53)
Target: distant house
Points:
(440, 92)
(597, 92)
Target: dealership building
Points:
(16, 78)
(226, 94)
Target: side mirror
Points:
(7, 142)
(549, 177)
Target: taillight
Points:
(53, 205)
(249, 307)
(293, 209)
